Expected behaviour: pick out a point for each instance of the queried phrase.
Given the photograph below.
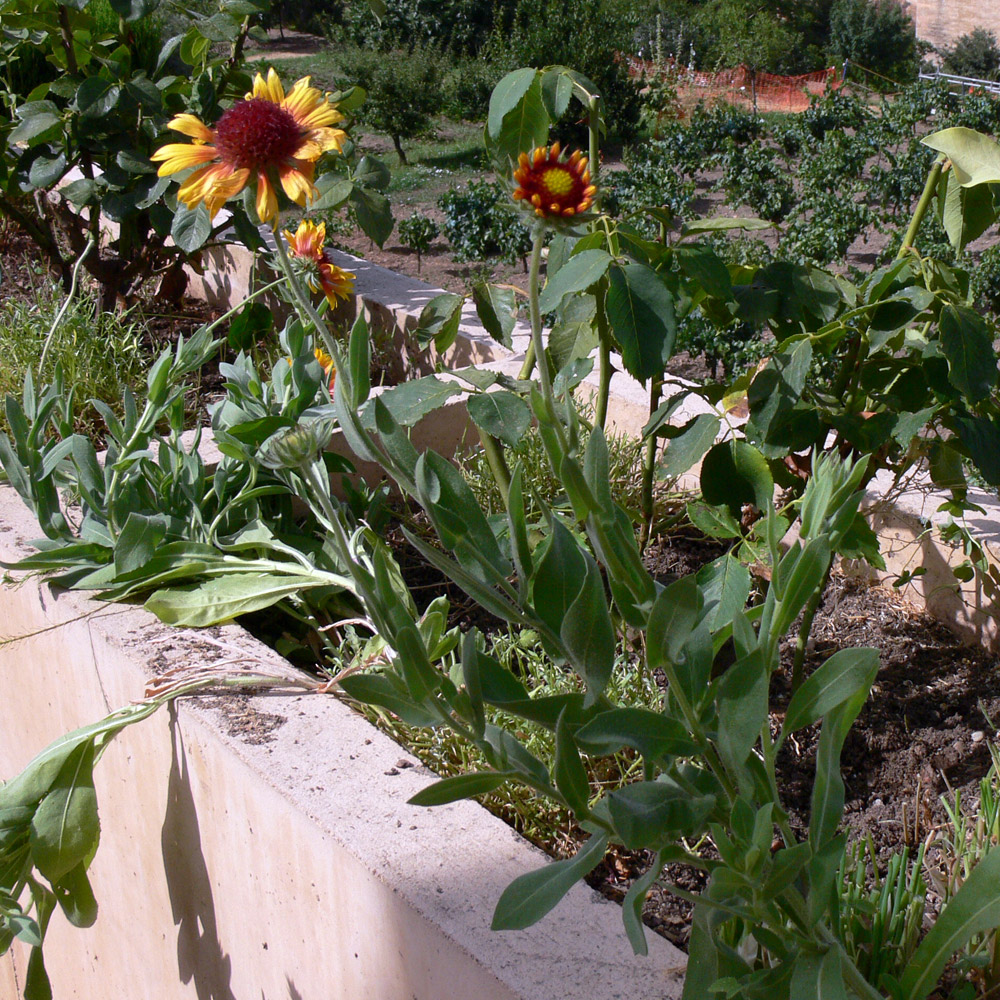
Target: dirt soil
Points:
(924, 733)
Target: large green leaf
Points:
(409, 402)
(577, 275)
(967, 342)
(965, 212)
(818, 977)
(497, 309)
(191, 227)
(735, 473)
(502, 414)
(687, 447)
(528, 898)
(222, 598)
(65, 829)
(975, 157)
(587, 632)
(523, 127)
(506, 95)
(439, 320)
(975, 908)
(641, 312)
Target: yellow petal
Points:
(277, 93)
(318, 114)
(190, 125)
(223, 188)
(192, 191)
(177, 156)
(267, 200)
(329, 138)
(297, 182)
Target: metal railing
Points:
(965, 82)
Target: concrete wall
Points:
(261, 848)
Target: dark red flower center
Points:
(257, 133)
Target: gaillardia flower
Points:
(554, 187)
(268, 137)
(319, 272)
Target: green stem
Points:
(529, 362)
(493, 450)
(648, 467)
(594, 130)
(921, 210)
(70, 295)
(802, 639)
(304, 303)
(544, 378)
(605, 370)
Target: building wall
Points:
(941, 22)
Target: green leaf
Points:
(641, 313)
(967, 343)
(714, 521)
(579, 273)
(359, 361)
(45, 170)
(76, 897)
(649, 814)
(707, 268)
(222, 598)
(373, 213)
(568, 771)
(409, 402)
(65, 829)
(975, 158)
(974, 909)
(461, 786)
(837, 679)
(742, 702)
(506, 95)
(528, 898)
(501, 414)
(254, 321)
(587, 633)
(497, 310)
(735, 473)
(331, 192)
(439, 320)
(632, 906)
(558, 577)
(686, 448)
(651, 734)
(523, 127)
(725, 587)
(981, 436)
(191, 227)
(722, 223)
(376, 689)
(372, 173)
(818, 977)
(965, 212)
(672, 620)
(95, 97)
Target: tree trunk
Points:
(399, 150)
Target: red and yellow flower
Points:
(269, 137)
(320, 273)
(553, 186)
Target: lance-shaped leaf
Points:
(641, 312)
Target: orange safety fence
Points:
(737, 86)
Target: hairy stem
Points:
(922, 205)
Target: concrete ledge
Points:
(262, 847)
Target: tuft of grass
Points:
(101, 354)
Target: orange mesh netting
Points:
(737, 86)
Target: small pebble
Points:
(877, 802)
(404, 763)
(977, 736)
(391, 771)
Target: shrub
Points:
(986, 280)
(480, 221)
(974, 54)
(751, 175)
(417, 233)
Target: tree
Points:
(404, 91)
(875, 34)
(975, 54)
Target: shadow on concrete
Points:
(199, 952)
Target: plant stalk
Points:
(802, 639)
(648, 468)
(493, 450)
(70, 295)
(922, 205)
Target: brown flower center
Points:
(257, 133)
